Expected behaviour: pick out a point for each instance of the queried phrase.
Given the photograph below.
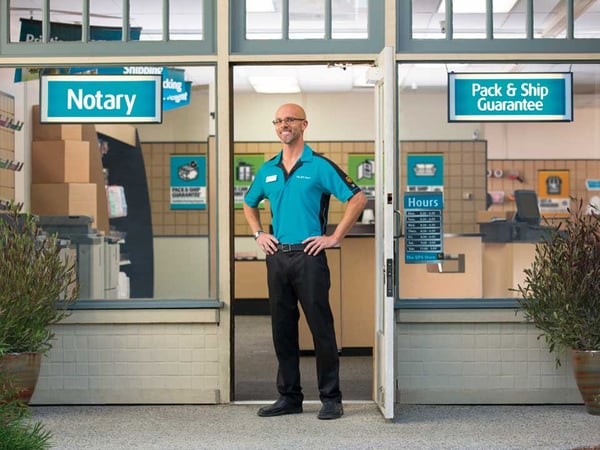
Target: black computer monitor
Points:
(528, 210)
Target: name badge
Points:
(271, 178)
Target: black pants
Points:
(293, 277)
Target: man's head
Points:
(290, 123)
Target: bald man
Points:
(298, 184)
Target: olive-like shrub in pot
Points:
(38, 283)
(560, 295)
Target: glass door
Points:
(382, 74)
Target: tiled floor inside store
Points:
(256, 366)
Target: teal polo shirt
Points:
(300, 201)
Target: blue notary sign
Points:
(101, 98)
(517, 97)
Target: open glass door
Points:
(385, 198)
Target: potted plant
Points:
(560, 295)
(37, 285)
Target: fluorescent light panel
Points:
(275, 85)
(476, 6)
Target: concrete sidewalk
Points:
(236, 426)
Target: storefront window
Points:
(186, 19)
(350, 19)
(106, 20)
(509, 18)
(586, 20)
(263, 19)
(136, 203)
(307, 19)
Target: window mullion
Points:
(166, 36)
(328, 19)
(125, 33)
(449, 20)
(85, 21)
(45, 21)
(570, 20)
(489, 11)
(529, 24)
(285, 20)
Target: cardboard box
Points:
(55, 131)
(60, 162)
(64, 199)
(120, 132)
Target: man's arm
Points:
(252, 217)
(355, 206)
(265, 241)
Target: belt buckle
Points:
(286, 248)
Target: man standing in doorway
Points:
(298, 184)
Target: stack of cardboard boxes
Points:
(66, 172)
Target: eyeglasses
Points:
(286, 120)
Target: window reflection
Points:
(307, 19)
(349, 19)
(106, 20)
(469, 19)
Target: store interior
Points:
(328, 91)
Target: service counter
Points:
(458, 276)
(351, 294)
(472, 269)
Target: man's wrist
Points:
(258, 233)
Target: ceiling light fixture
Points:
(275, 85)
(476, 6)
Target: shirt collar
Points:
(307, 154)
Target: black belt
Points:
(286, 248)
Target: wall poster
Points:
(361, 168)
(188, 182)
(245, 167)
(424, 172)
(553, 193)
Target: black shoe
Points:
(279, 408)
(331, 410)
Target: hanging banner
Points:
(516, 97)
(188, 182)
(176, 91)
(361, 168)
(31, 31)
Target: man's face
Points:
(288, 130)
